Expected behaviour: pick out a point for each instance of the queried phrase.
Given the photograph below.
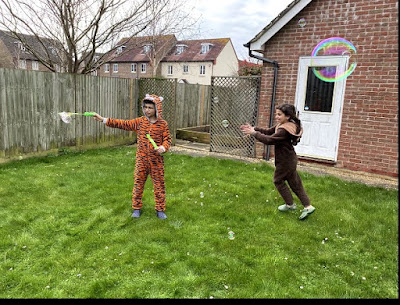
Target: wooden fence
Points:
(30, 102)
(193, 104)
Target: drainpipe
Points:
(276, 67)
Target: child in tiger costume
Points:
(149, 160)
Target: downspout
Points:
(276, 67)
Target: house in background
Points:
(189, 61)
(355, 123)
(196, 61)
(14, 55)
(137, 57)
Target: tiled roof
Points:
(10, 42)
(192, 50)
(133, 48)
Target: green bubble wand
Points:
(66, 117)
(152, 141)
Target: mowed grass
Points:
(66, 232)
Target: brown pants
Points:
(290, 175)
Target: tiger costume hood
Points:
(157, 101)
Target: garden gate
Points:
(167, 89)
(234, 102)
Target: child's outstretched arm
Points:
(130, 125)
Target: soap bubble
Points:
(334, 46)
(302, 22)
(231, 235)
(65, 117)
(225, 123)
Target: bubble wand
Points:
(152, 141)
(67, 116)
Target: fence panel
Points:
(30, 102)
(234, 102)
(192, 105)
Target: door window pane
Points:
(319, 94)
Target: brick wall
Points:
(369, 128)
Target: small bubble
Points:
(231, 235)
(302, 22)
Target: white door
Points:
(319, 104)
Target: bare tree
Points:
(177, 20)
(71, 32)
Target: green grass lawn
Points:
(66, 232)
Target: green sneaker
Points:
(285, 207)
(306, 212)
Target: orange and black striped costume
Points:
(148, 160)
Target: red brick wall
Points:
(369, 129)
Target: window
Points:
(35, 65)
(143, 68)
(22, 64)
(205, 47)
(120, 49)
(20, 46)
(170, 70)
(107, 68)
(115, 68)
(319, 94)
(180, 48)
(202, 70)
(146, 48)
(185, 69)
(133, 68)
(94, 73)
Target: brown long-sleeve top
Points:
(280, 136)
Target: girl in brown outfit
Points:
(284, 135)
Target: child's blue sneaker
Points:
(161, 215)
(136, 213)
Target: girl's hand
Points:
(98, 117)
(247, 129)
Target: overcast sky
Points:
(239, 20)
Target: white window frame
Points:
(143, 68)
(146, 48)
(35, 65)
(202, 69)
(205, 47)
(120, 49)
(185, 68)
(22, 63)
(115, 68)
(170, 70)
(133, 68)
(107, 68)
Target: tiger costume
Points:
(148, 160)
